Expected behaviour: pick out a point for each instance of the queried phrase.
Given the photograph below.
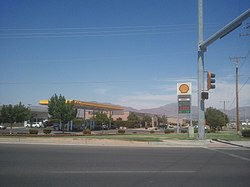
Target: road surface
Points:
(77, 165)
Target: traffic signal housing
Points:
(210, 80)
(204, 95)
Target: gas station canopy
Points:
(88, 105)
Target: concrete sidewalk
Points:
(109, 142)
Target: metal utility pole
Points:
(237, 61)
(224, 105)
(202, 47)
(201, 102)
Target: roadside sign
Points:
(184, 92)
(184, 88)
(184, 104)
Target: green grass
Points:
(143, 137)
(226, 135)
(223, 135)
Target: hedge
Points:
(245, 132)
(167, 131)
(86, 131)
(33, 131)
(47, 130)
(121, 131)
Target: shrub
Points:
(47, 130)
(86, 131)
(78, 121)
(119, 124)
(121, 131)
(33, 131)
(245, 133)
(210, 130)
(184, 130)
(152, 132)
(168, 131)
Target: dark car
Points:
(77, 128)
(56, 126)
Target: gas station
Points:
(85, 109)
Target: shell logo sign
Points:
(184, 88)
(184, 92)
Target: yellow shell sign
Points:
(184, 88)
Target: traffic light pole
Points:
(202, 47)
(201, 102)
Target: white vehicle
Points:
(2, 127)
(35, 124)
(26, 124)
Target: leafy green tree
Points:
(147, 119)
(14, 114)
(61, 109)
(101, 118)
(163, 119)
(133, 120)
(215, 118)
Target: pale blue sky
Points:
(127, 52)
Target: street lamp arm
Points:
(225, 30)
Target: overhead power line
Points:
(239, 91)
(6, 33)
(105, 28)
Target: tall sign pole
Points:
(201, 102)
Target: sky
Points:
(125, 52)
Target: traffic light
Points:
(210, 80)
(204, 95)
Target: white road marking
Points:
(120, 172)
(230, 154)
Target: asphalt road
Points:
(64, 165)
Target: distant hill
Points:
(244, 113)
(171, 111)
(168, 110)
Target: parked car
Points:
(35, 124)
(56, 126)
(77, 128)
(26, 124)
(2, 127)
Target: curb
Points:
(230, 143)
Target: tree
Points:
(215, 118)
(133, 120)
(61, 109)
(14, 114)
(101, 118)
(147, 119)
(163, 119)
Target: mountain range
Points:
(170, 110)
